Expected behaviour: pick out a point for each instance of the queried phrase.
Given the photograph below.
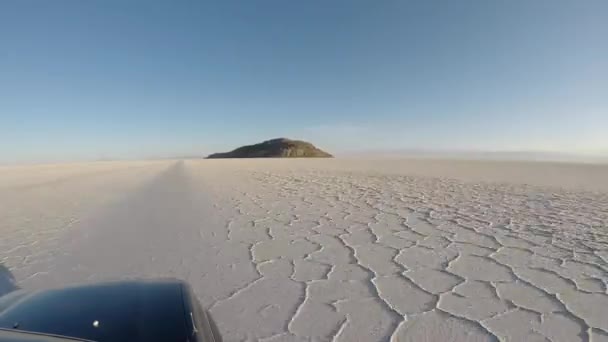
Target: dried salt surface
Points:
(324, 250)
(39, 204)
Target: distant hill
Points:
(275, 148)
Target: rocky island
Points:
(275, 148)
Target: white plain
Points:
(344, 250)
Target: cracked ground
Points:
(329, 250)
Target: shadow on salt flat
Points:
(7, 281)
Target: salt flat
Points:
(344, 250)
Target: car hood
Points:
(121, 311)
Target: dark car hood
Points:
(122, 311)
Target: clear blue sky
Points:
(92, 79)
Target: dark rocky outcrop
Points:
(275, 148)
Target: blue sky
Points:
(127, 79)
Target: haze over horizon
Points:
(114, 79)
